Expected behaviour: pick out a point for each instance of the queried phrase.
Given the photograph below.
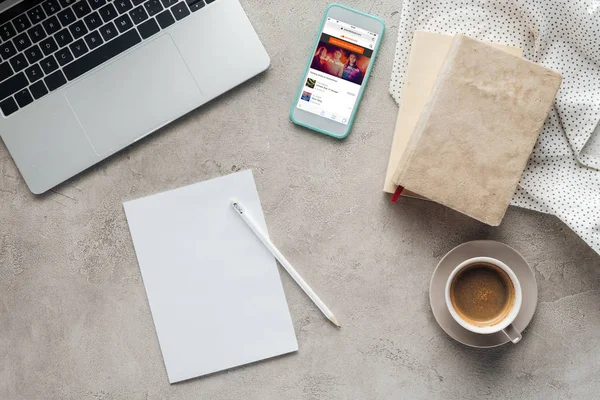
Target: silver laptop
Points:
(82, 79)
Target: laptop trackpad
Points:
(134, 95)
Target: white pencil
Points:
(246, 216)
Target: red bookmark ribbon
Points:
(397, 194)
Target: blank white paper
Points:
(214, 289)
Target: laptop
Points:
(82, 79)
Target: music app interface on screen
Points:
(337, 70)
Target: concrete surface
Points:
(75, 322)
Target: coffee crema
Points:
(482, 294)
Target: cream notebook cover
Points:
(477, 130)
(427, 55)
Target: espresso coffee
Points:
(482, 294)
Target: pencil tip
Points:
(335, 321)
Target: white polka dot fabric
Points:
(563, 173)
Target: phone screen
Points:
(337, 70)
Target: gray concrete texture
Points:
(75, 321)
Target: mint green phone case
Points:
(364, 83)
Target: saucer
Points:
(481, 248)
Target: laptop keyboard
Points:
(46, 44)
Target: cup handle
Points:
(513, 334)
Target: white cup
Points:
(505, 325)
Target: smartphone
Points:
(337, 71)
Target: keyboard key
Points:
(23, 98)
(7, 31)
(64, 56)
(168, 3)
(108, 12)
(209, 1)
(93, 40)
(123, 6)
(38, 89)
(153, 7)
(138, 15)
(66, 3)
(48, 46)
(7, 50)
(180, 11)
(78, 29)
(21, 23)
(34, 73)
(36, 33)
(49, 64)
(195, 5)
(22, 41)
(51, 25)
(5, 71)
(55, 80)
(93, 21)
(78, 48)
(51, 7)
(81, 9)
(8, 106)
(102, 54)
(137, 2)
(66, 17)
(96, 4)
(12, 85)
(165, 19)
(108, 31)
(33, 54)
(18, 62)
(148, 28)
(36, 14)
(63, 38)
(123, 23)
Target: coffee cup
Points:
(484, 296)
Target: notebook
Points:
(477, 130)
(213, 288)
(427, 55)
